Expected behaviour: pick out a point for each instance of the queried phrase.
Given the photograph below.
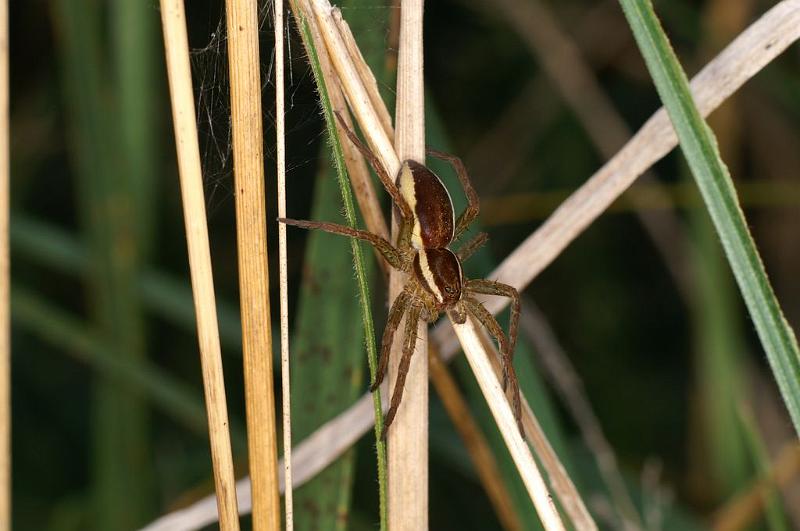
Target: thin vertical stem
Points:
(251, 237)
(180, 80)
(5, 280)
(408, 435)
(280, 126)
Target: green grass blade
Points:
(719, 346)
(31, 312)
(358, 261)
(699, 146)
(327, 374)
(135, 34)
(774, 514)
(168, 296)
(123, 481)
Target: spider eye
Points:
(448, 290)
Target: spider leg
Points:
(469, 248)
(409, 342)
(491, 287)
(477, 309)
(399, 307)
(473, 203)
(509, 374)
(392, 255)
(388, 183)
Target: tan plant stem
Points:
(564, 64)
(251, 238)
(365, 74)
(559, 480)
(350, 80)
(5, 283)
(742, 59)
(357, 169)
(183, 114)
(501, 410)
(408, 435)
(568, 385)
(478, 448)
(280, 137)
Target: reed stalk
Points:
(182, 97)
(280, 139)
(479, 450)
(408, 435)
(501, 410)
(251, 237)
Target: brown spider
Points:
(436, 280)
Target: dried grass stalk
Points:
(280, 136)
(741, 60)
(251, 237)
(408, 434)
(479, 450)
(194, 208)
(501, 410)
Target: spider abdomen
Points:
(431, 204)
(439, 272)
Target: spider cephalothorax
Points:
(436, 280)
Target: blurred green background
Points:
(109, 426)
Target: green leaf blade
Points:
(719, 195)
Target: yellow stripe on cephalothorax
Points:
(427, 274)
(405, 182)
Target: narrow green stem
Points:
(358, 262)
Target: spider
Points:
(436, 281)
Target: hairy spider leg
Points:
(399, 307)
(409, 342)
(477, 309)
(474, 307)
(472, 245)
(473, 203)
(492, 287)
(392, 255)
(406, 214)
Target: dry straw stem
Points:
(501, 410)
(570, 387)
(364, 73)
(744, 57)
(356, 165)
(744, 509)
(408, 435)
(280, 137)
(251, 237)
(5, 282)
(183, 114)
(350, 81)
(474, 441)
(564, 64)
(562, 485)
